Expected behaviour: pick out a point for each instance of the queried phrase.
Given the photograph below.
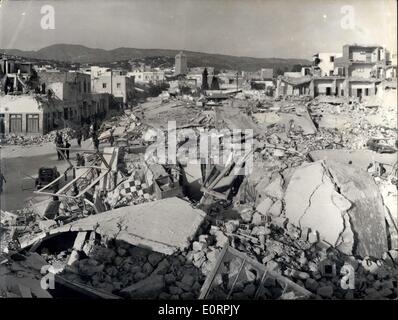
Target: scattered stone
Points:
(311, 284)
(199, 246)
(154, 258)
(148, 288)
(325, 291)
(147, 268)
(169, 278)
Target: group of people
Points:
(59, 143)
(84, 132)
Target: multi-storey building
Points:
(145, 75)
(117, 83)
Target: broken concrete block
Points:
(304, 234)
(47, 224)
(257, 219)
(164, 226)
(73, 258)
(221, 239)
(198, 246)
(268, 258)
(204, 238)
(276, 209)
(198, 255)
(231, 226)
(264, 206)
(313, 237)
(212, 255)
(281, 222)
(148, 288)
(275, 188)
(246, 216)
(79, 241)
(367, 214)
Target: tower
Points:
(180, 64)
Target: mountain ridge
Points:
(75, 53)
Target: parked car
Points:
(46, 176)
(380, 145)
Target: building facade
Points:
(29, 115)
(114, 82)
(148, 76)
(326, 63)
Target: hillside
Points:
(82, 54)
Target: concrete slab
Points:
(309, 202)
(367, 215)
(358, 158)
(164, 226)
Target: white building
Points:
(148, 76)
(326, 63)
(114, 82)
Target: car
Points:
(46, 176)
(380, 145)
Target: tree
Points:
(214, 84)
(205, 85)
(296, 68)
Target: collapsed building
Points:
(231, 195)
(316, 204)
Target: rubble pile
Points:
(12, 139)
(315, 218)
(132, 272)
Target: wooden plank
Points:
(86, 290)
(210, 278)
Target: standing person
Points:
(67, 146)
(60, 144)
(57, 135)
(79, 137)
(96, 142)
(85, 131)
(2, 178)
(111, 139)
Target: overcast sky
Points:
(256, 28)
